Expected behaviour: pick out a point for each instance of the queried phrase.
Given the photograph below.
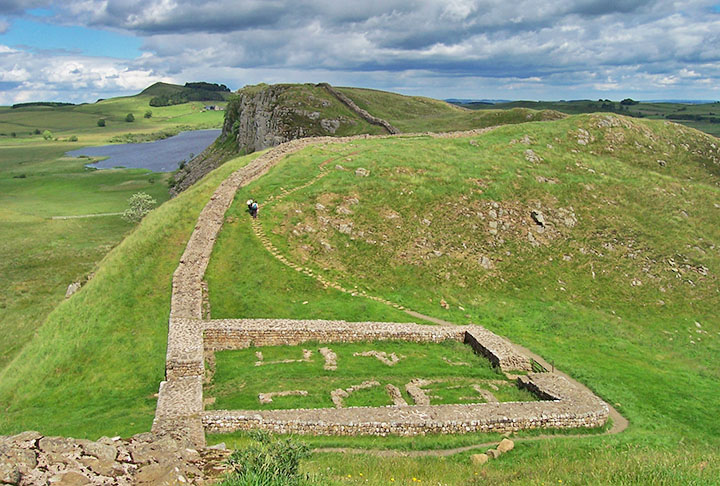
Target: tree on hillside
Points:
(101, 122)
(629, 101)
(129, 118)
(148, 114)
(140, 203)
(47, 135)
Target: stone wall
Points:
(226, 334)
(362, 113)
(573, 408)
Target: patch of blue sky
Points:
(91, 42)
(715, 8)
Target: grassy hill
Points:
(702, 116)
(618, 287)
(419, 114)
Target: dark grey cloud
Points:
(15, 7)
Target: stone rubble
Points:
(31, 459)
(330, 359)
(388, 359)
(266, 398)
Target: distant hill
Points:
(166, 94)
(704, 116)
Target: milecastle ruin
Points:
(565, 403)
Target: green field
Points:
(619, 288)
(41, 256)
(622, 296)
(240, 377)
(701, 116)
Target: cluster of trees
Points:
(676, 116)
(199, 91)
(208, 86)
(51, 104)
(181, 97)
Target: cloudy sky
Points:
(81, 50)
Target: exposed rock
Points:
(343, 210)
(382, 356)
(266, 398)
(330, 359)
(72, 288)
(532, 157)
(493, 453)
(70, 478)
(9, 473)
(362, 172)
(505, 445)
(414, 389)
(337, 396)
(395, 395)
(538, 217)
(479, 459)
(486, 263)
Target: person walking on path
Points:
(252, 208)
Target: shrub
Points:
(148, 114)
(73, 138)
(47, 135)
(268, 461)
(13, 134)
(36, 131)
(101, 122)
(129, 118)
(140, 204)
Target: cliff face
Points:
(262, 116)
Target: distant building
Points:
(213, 108)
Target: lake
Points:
(159, 156)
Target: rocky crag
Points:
(264, 116)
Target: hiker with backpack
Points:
(252, 208)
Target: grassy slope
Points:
(39, 257)
(638, 346)
(418, 114)
(94, 366)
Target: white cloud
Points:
(445, 47)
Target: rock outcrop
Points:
(264, 116)
(30, 459)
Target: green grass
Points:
(238, 379)
(94, 366)
(39, 256)
(571, 299)
(412, 114)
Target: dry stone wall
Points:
(573, 408)
(364, 114)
